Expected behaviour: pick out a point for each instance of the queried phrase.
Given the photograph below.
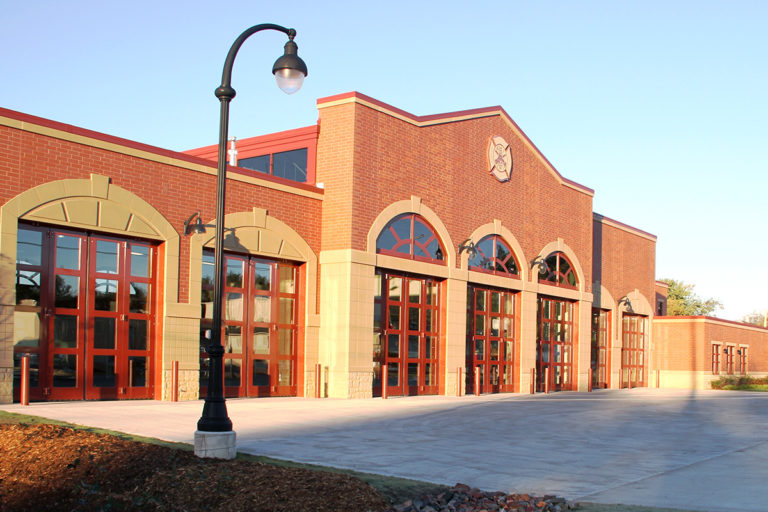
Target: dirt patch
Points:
(51, 467)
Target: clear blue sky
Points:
(660, 106)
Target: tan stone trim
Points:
(87, 204)
(153, 157)
(495, 281)
(602, 297)
(414, 205)
(640, 304)
(392, 113)
(461, 116)
(411, 266)
(347, 256)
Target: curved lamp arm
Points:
(288, 68)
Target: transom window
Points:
(410, 236)
(494, 256)
(291, 165)
(558, 271)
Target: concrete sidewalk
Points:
(704, 450)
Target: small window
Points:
(743, 361)
(558, 271)
(494, 256)
(291, 165)
(410, 236)
(256, 163)
(716, 359)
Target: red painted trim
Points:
(75, 130)
(278, 142)
(599, 218)
(261, 142)
(711, 318)
(447, 117)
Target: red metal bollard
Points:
(546, 380)
(477, 381)
(24, 392)
(384, 382)
(318, 380)
(658, 379)
(175, 381)
(458, 381)
(589, 380)
(533, 381)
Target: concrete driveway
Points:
(705, 450)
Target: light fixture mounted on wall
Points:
(541, 263)
(196, 228)
(469, 246)
(625, 300)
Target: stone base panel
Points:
(215, 445)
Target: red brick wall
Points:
(624, 260)
(684, 343)
(28, 159)
(446, 165)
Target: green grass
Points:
(740, 383)
(395, 489)
(747, 387)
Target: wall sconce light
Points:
(625, 300)
(738, 351)
(539, 261)
(469, 246)
(196, 228)
(725, 350)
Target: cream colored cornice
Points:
(145, 154)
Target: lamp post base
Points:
(215, 445)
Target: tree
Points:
(682, 301)
(756, 318)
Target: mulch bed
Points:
(51, 467)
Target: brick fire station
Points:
(374, 252)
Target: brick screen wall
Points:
(685, 343)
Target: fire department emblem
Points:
(499, 158)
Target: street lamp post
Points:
(214, 436)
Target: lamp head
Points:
(196, 228)
(290, 70)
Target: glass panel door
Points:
(272, 329)
(259, 328)
(491, 342)
(634, 336)
(120, 319)
(600, 348)
(66, 318)
(32, 312)
(84, 314)
(554, 345)
(406, 335)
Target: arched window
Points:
(494, 256)
(410, 236)
(558, 271)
